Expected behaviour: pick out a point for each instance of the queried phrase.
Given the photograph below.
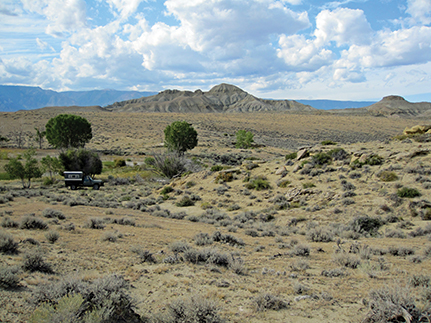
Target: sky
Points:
(279, 49)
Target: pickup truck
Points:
(75, 179)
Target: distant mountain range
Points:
(221, 98)
(14, 98)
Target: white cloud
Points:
(125, 7)
(302, 54)
(420, 10)
(64, 16)
(209, 24)
(343, 26)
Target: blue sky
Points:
(281, 49)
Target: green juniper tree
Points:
(68, 131)
(180, 136)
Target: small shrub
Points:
(7, 243)
(36, 262)
(9, 278)
(365, 225)
(144, 255)
(224, 177)
(401, 251)
(166, 190)
(195, 309)
(300, 289)
(321, 159)
(336, 272)
(283, 183)
(338, 154)
(268, 301)
(119, 162)
(50, 213)
(52, 236)
(95, 223)
(31, 223)
(179, 247)
(408, 192)
(150, 161)
(394, 304)
(258, 183)
(190, 184)
(203, 239)
(9, 223)
(244, 139)
(291, 156)
(347, 260)
(216, 168)
(328, 143)
(185, 201)
(301, 250)
(388, 176)
(110, 237)
(308, 185)
(320, 234)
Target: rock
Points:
(281, 171)
(303, 153)
(418, 129)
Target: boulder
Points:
(418, 129)
(281, 171)
(302, 153)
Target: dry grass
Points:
(304, 238)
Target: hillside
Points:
(392, 106)
(257, 238)
(14, 98)
(221, 98)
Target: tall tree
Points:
(68, 131)
(180, 136)
(83, 160)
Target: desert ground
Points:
(287, 239)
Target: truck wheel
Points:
(72, 187)
(95, 187)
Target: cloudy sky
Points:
(282, 49)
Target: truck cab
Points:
(75, 179)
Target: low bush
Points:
(347, 260)
(338, 154)
(365, 224)
(291, 156)
(408, 192)
(9, 278)
(388, 176)
(9, 223)
(224, 177)
(103, 300)
(119, 162)
(321, 159)
(144, 255)
(30, 222)
(401, 251)
(185, 201)
(36, 262)
(7, 243)
(216, 168)
(166, 190)
(110, 236)
(95, 223)
(258, 183)
(203, 239)
(301, 250)
(268, 301)
(394, 304)
(320, 234)
(196, 309)
(52, 236)
(51, 213)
